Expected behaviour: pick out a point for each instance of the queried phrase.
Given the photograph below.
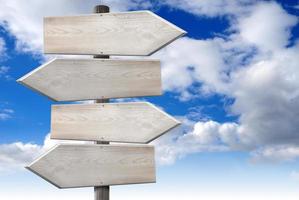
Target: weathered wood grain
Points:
(85, 79)
(127, 33)
(138, 122)
(70, 165)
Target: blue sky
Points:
(233, 81)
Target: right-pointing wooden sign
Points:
(139, 122)
(128, 33)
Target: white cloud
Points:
(6, 114)
(188, 61)
(275, 154)
(208, 136)
(211, 8)
(4, 73)
(2, 47)
(267, 97)
(16, 155)
(267, 26)
(11, 111)
(123, 100)
(263, 84)
(3, 70)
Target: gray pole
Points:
(101, 193)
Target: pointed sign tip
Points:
(20, 80)
(182, 31)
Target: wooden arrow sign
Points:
(128, 33)
(84, 79)
(114, 122)
(70, 165)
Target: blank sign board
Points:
(73, 165)
(128, 33)
(88, 79)
(138, 122)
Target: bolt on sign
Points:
(100, 165)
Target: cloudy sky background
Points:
(233, 81)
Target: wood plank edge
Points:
(149, 141)
(47, 52)
(102, 97)
(95, 104)
(92, 140)
(166, 44)
(96, 14)
(110, 60)
(145, 182)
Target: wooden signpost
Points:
(100, 165)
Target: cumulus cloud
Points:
(187, 61)
(197, 137)
(275, 154)
(16, 155)
(266, 98)
(267, 26)
(209, 8)
(258, 70)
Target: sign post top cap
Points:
(101, 9)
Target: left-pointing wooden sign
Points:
(85, 79)
(69, 165)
